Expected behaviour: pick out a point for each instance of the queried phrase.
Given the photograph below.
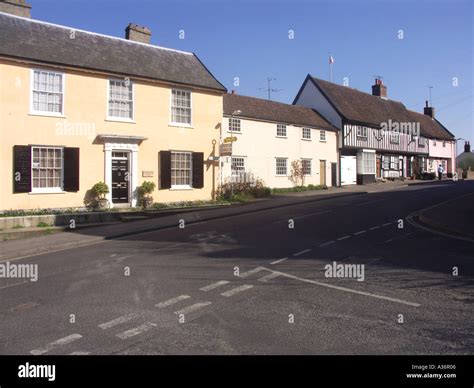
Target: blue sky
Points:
(250, 40)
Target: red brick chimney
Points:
(233, 91)
(429, 110)
(16, 7)
(137, 33)
(379, 89)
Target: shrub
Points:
(427, 176)
(147, 188)
(259, 190)
(243, 190)
(100, 189)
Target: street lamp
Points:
(234, 113)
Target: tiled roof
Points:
(273, 111)
(29, 39)
(365, 108)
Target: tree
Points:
(297, 173)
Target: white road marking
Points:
(60, 342)
(237, 290)
(120, 259)
(279, 261)
(328, 243)
(370, 202)
(214, 285)
(210, 237)
(343, 238)
(375, 227)
(251, 272)
(387, 224)
(14, 284)
(357, 233)
(347, 289)
(309, 215)
(192, 308)
(118, 321)
(79, 353)
(95, 241)
(268, 277)
(303, 216)
(301, 252)
(169, 302)
(137, 330)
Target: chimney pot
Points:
(467, 147)
(137, 33)
(234, 91)
(16, 7)
(379, 89)
(429, 110)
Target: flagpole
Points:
(330, 67)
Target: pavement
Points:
(258, 282)
(454, 216)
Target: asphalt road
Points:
(250, 284)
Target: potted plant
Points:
(145, 190)
(99, 190)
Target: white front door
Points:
(348, 170)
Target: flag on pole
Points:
(331, 59)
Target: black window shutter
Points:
(21, 169)
(165, 170)
(198, 170)
(71, 169)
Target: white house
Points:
(441, 142)
(270, 136)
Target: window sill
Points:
(306, 139)
(281, 137)
(281, 176)
(180, 188)
(235, 132)
(47, 114)
(323, 141)
(118, 120)
(46, 192)
(180, 125)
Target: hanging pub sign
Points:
(225, 149)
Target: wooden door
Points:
(322, 172)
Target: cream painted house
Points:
(77, 108)
(270, 136)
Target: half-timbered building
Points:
(379, 138)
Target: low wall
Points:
(58, 219)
